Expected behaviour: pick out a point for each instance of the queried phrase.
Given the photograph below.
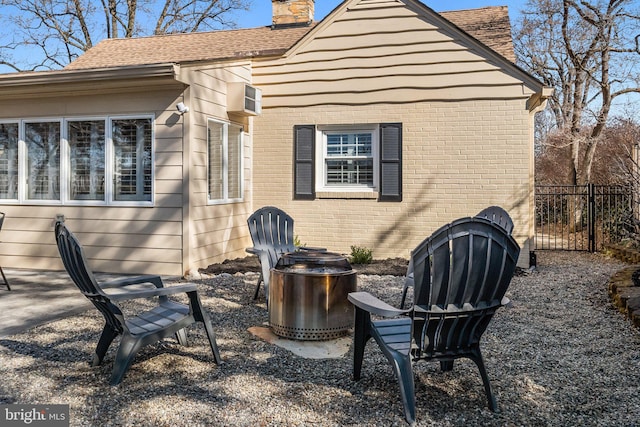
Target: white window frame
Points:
(321, 150)
(110, 163)
(18, 178)
(225, 163)
(65, 163)
(66, 155)
(23, 190)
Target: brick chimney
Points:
(292, 13)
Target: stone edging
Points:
(625, 294)
(629, 255)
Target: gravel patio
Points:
(562, 355)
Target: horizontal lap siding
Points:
(382, 52)
(216, 232)
(466, 127)
(115, 238)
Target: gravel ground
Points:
(561, 356)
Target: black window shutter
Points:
(390, 162)
(304, 143)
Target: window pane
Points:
(86, 142)
(216, 160)
(43, 160)
(235, 163)
(363, 144)
(350, 172)
(335, 144)
(358, 144)
(132, 159)
(8, 160)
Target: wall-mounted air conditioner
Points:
(242, 98)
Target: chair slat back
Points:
(497, 215)
(75, 263)
(271, 229)
(462, 270)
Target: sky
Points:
(260, 12)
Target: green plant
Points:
(361, 255)
(297, 242)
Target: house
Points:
(371, 128)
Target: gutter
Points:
(34, 78)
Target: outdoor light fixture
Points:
(182, 108)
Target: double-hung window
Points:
(224, 177)
(96, 161)
(348, 159)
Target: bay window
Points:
(77, 161)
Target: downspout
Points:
(187, 165)
(537, 103)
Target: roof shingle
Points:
(180, 48)
(489, 25)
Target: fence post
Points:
(591, 217)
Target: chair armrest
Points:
(136, 280)
(253, 251)
(126, 294)
(367, 302)
(409, 281)
(452, 309)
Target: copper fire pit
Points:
(308, 296)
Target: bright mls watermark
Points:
(34, 415)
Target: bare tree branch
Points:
(591, 56)
(55, 32)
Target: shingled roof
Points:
(489, 25)
(180, 48)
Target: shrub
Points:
(360, 255)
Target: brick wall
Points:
(457, 159)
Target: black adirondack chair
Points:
(461, 275)
(164, 320)
(6, 283)
(271, 231)
(494, 214)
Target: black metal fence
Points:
(581, 217)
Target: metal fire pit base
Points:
(311, 306)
